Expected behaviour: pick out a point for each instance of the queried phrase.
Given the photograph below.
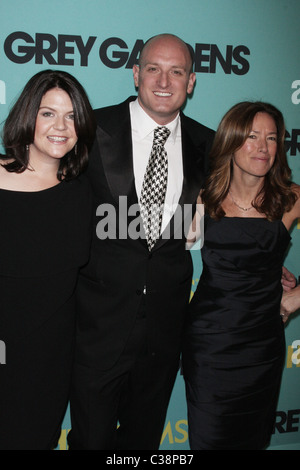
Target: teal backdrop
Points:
(244, 50)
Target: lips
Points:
(262, 159)
(162, 94)
(57, 139)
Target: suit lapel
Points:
(193, 169)
(118, 164)
(193, 176)
(115, 134)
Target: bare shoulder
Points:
(289, 217)
(296, 189)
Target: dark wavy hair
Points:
(276, 195)
(19, 127)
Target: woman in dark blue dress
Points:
(234, 344)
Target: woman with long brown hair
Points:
(45, 234)
(234, 343)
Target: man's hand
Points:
(290, 302)
(288, 280)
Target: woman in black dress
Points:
(234, 343)
(45, 232)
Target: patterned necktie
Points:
(154, 187)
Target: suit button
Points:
(138, 292)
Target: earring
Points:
(27, 147)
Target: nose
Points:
(60, 123)
(263, 145)
(163, 79)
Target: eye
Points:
(178, 72)
(151, 69)
(47, 114)
(71, 116)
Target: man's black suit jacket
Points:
(121, 269)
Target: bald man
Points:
(132, 299)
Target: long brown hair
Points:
(276, 195)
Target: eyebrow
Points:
(172, 66)
(257, 132)
(53, 109)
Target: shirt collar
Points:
(144, 125)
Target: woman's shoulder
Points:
(294, 213)
(296, 189)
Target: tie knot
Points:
(160, 135)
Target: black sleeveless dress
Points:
(234, 343)
(44, 239)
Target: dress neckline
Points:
(255, 218)
(40, 191)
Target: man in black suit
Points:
(131, 300)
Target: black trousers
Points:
(125, 407)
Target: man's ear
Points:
(136, 72)
(191, 83)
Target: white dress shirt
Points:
(142, 139)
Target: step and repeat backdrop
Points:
(244, 50)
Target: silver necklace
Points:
(245, 209)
